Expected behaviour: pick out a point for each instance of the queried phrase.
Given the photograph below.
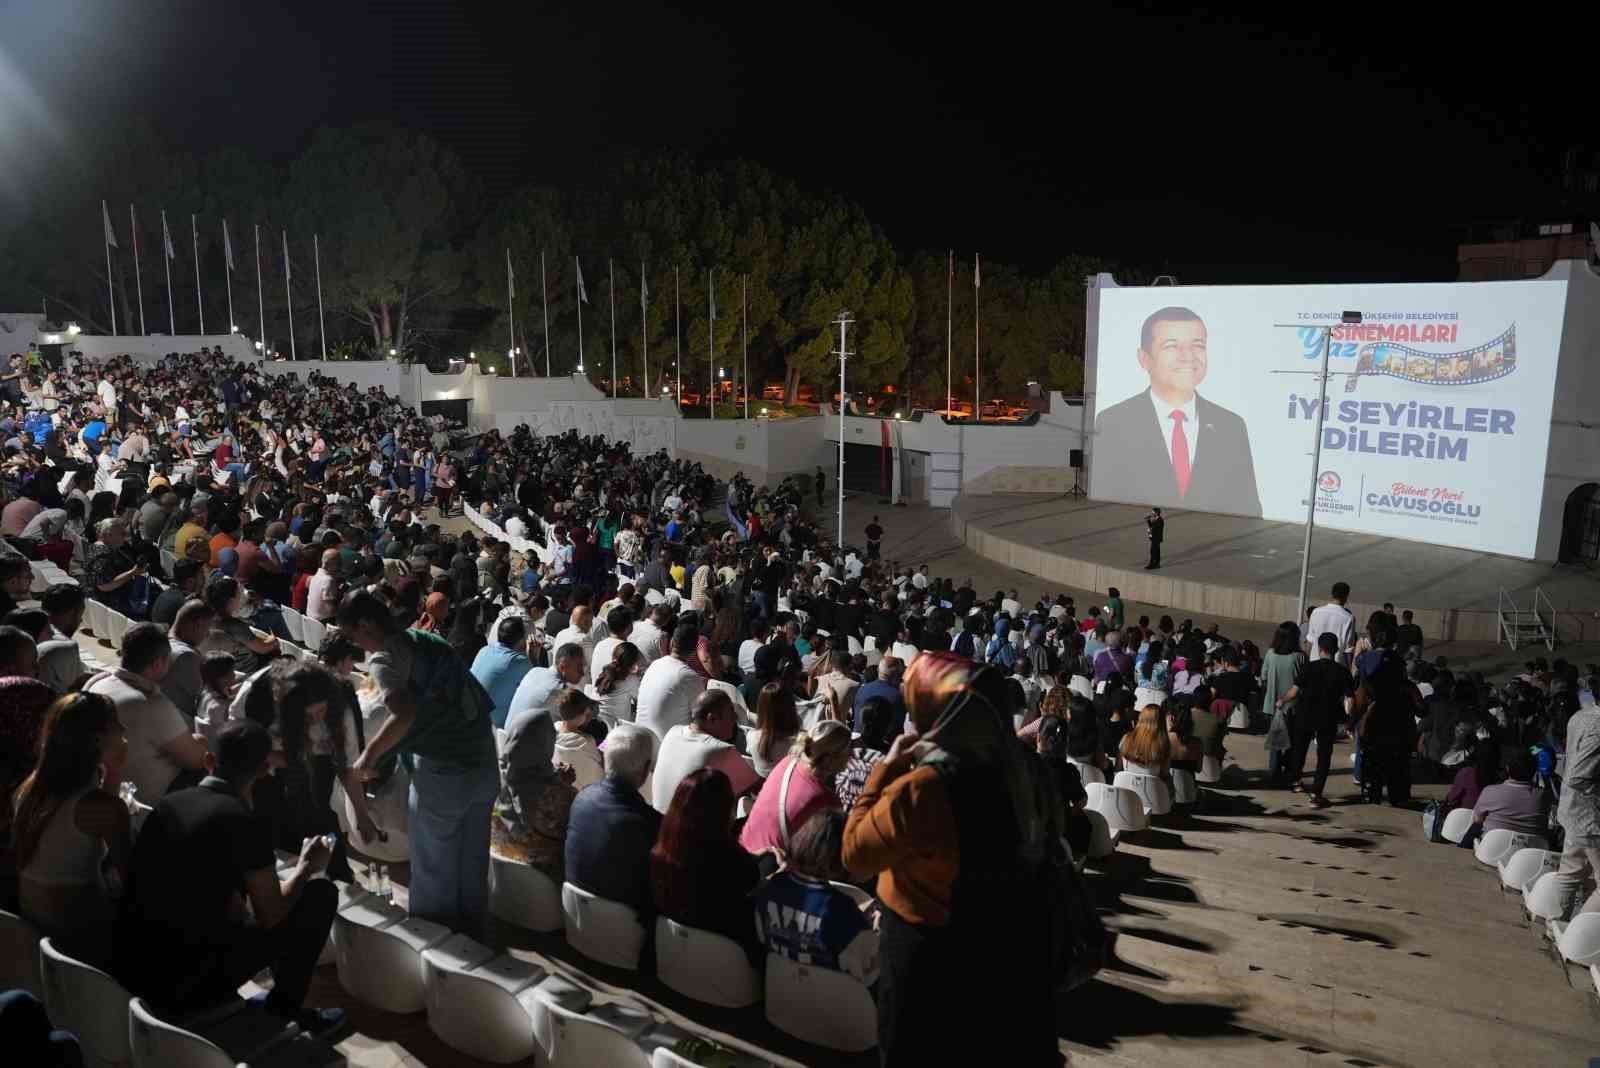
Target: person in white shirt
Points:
(616, 684)
(107, 394)
(1334, 618)
(647, 634)
(619, 624)
(752, 645)
(541, 688)
(920, 579)
(1010, 605)
(515, 527)
(669, 688)
(705, 740)
(322, 596)
(575, 748)
(161, 744)
(577, 633)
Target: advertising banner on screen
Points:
(1437, 421)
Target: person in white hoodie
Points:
(574, 747)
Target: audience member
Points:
(706, 741)
(699, 874)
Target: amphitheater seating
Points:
(86, 1001)
(1122, 808)
(154, 1043)
(479, 1003)
(1456, 824)
(379, 954)
(524, 896)
(1519, 869)
(604, 1036)
(19, 955)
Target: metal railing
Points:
(1536, 622)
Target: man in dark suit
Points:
(1155, 529)
(1168, 445)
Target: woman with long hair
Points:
(69, 825)
(699, 875)
(777, 726)
(959, 823)
(617, 685)
(231, 634)
(1147, 749)
(1278, 670)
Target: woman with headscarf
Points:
(960, 823)
(1000, 652)
(530, 817)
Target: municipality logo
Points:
(1329, 483)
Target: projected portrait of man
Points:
(1168, 445)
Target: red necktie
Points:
(1180, 454)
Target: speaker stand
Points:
(1077, 492)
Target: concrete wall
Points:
(725, 447)
(1574, 456)
(98, 347)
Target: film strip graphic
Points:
(1485, 363)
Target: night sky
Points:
(1354, 148)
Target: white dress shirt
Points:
(1191, 428)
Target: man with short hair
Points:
(541, 687)
(612, 827)
(887, 687)
(60, 659)
(579, 626)
(16, 580)
(1319, 697)
(322, 595)
(1579, 808)
(1334, 618)
(201, 854)
(838, 681)
(185, 584)
(164, 753)
(502, 664)
(191, 531)
(153, 515)
(1408, 635)
(182, 683)
(669, 687)
(706, 741)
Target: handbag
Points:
(1079, 943)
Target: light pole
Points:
(844, 320)
(1349, 317)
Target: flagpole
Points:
(511, 310)
(227, 275)
(322, 324)
(544, 292)
(288, 297)
(677, 334)
(950, 337)
(977, 363)
(261, 304)
(133, 228)
(579, 267)
(711, 341)
(166, 257)
(105, 239)
(611, 266)
(644, 333)
(199, 300)
(744, 303)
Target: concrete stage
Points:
(1250, 568)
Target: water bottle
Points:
(128, 792)
(385, 888)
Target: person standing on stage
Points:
(1155, 528)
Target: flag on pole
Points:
(644, 291)
(166, 237)
(977, 280)
(227, 246)
(111, 235)
(583, 294)
(952, 265)
(511, 277)
(713, 301)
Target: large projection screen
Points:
(1438, 417)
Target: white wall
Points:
(18, 330)
(98, 347)
(1574, 456)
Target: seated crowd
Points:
(739, 726)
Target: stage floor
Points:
(1250, 568)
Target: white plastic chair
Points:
(1519, 869)
(1184, 789)
(19, 955)
(821, 1006)
(295, 624)
(1500, 843)
(705, 966)
(1123, 808)
(1456, 824)
(523, 896)
(155, 1043)
(1210, 769)
(478, 1003)
(1087, 771)
(1579, 942)
(603, 1036)
(1102, 839)
(118, 624)
(1543, 899)
(745, 715)
(1239, 718)
(89, 1003)
(313, 633)
(605, 931)
(378, 951)
(1153, 792)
